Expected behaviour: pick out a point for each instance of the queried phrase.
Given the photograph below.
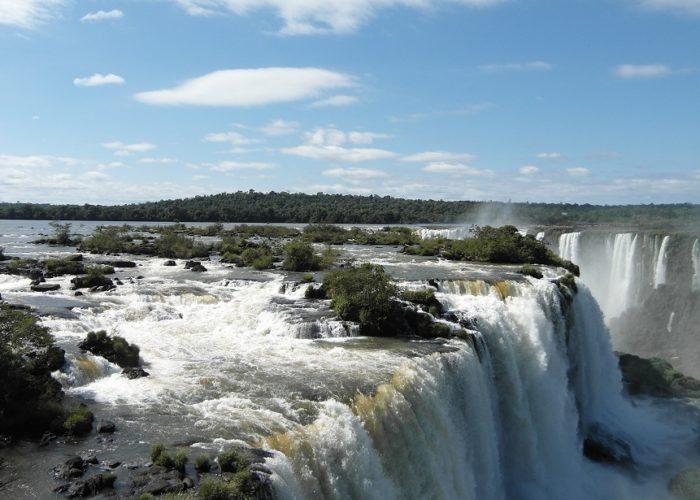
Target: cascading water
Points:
(569, 246)
(622, 274)
(505, 420)
(661, 262)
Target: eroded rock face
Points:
(601, 446)
(685, 485)
(656, 377)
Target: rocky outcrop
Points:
(134, 373)
(45, 287)
(656, 377)
(685, 485)
(601, 446)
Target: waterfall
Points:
(661, 261)
(695, 285)
(540, 236)
(622, 275)
(569, 246)
(507, 423)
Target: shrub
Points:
(107, 239)
(175, 246)
(258, 257)
(156, 450)
(147, 496)
(217, 489)
(202, 464)
(59, 267)
(300, 256)
(232, 460)
(363, 294)
(180, 461)
(424, 298)
(115, 349)
(165, 460)
(307, 278)
(79, 421)
(61, 232)
(530, 270)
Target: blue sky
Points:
(587, 101)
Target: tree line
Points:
(255, 207)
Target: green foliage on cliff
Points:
(29, 397)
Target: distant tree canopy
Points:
(251, 206)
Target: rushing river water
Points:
(239, 356)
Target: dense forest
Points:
(251, 206)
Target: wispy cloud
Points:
(691, 7)
(122, 149)
(227, 166)
(529, 170)
(102, 15)
(36, 161)
(355, 173)
(516, 67)
(438, 156)
(158, 161)
(99, 79)
(231, 137)
(249, 87)
(329, 144)
(632, 71)
(469, 109)
(336, 101)
(28, 13)
(280, 127)
(317, 17)
(456, 168)
(578, 171)
(549, 156)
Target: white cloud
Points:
(336, 101)
(280, 127)
(99, 79)
(28, 13)
(249, 87)
(227, 166)
(529, 170)
(124, 150)
(355, 173)
(365, 137)
(95, 175)
(338, 153)
(231, 137)
(35, 161)
(336, 188)
(334, 137)
(691, 7)
(641, 71)
(102, 15)
(456, 168)
(438, 156)
(110, 165)
(314, 17)
(549, 156)
(158, 161)
(578, 171)
(514, 67)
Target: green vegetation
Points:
(502, 245)
(243, 485)
(156, 451)
(259, 257)
(115, 349)
(232, 460)
(79, 421)
(656, 377)
(180, 461)
(61, 235)
(300, 256)
(530, 270)
(202, 464)
(254, 207)
(425, 299)
(30, 399)
(59, 267)
(363, 294)
(175, 246)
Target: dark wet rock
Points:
(139, 277)
(38, 281)
(45, 287)
(601, 446)
(92, 282)
(685, 485)
(106, 427)
(433, 283)
(76, 257)
(113, 348)
(91, 486)
(118, 282)
(170, 263)
(6, 441)
(656, 377)
(70, 469)
(91, 459)
(121, 263)
(156, 480)
(78, 294)
(113, 464)
(198, 268)
(134, 373)
(188, 483)
(55, 358)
